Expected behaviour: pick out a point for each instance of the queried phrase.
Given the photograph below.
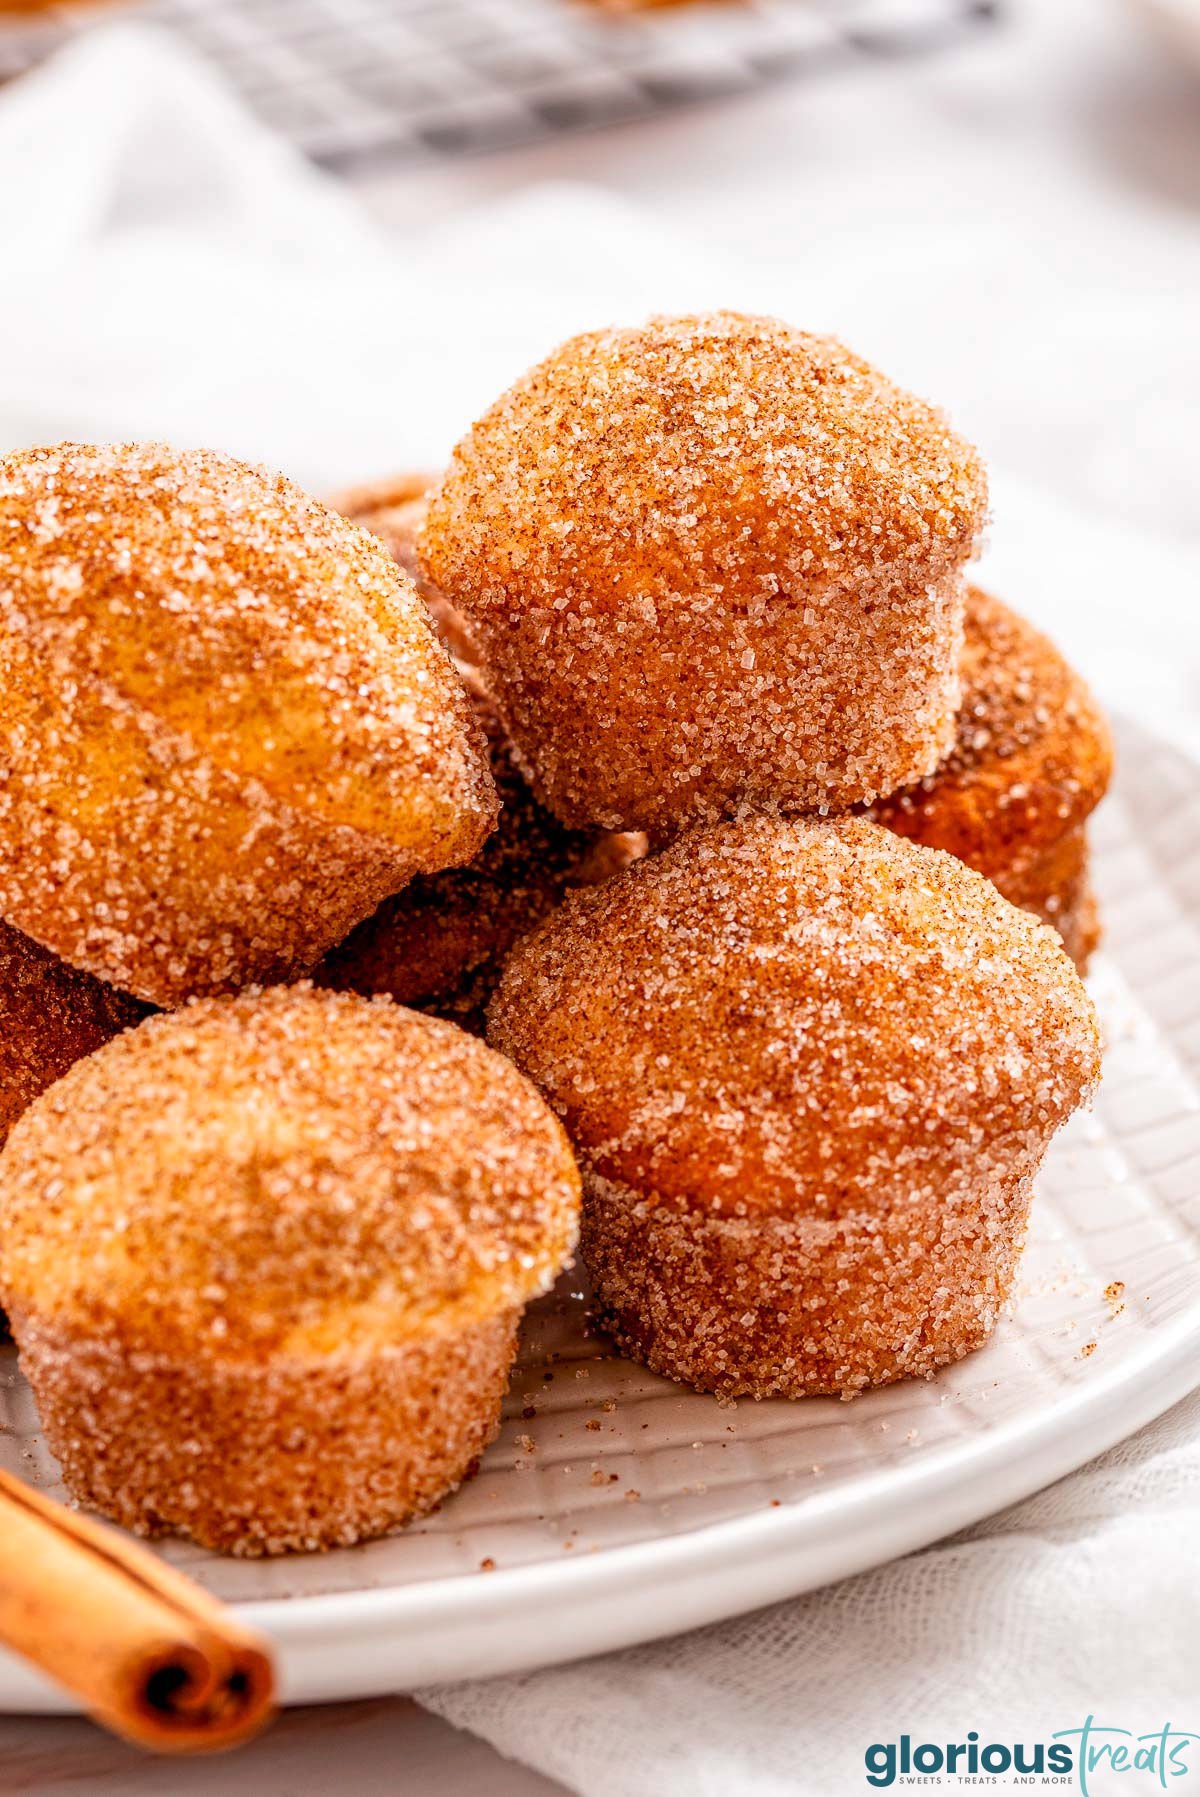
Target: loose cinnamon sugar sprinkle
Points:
(711, 563)
(229, 730)
(810, 1070)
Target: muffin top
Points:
(393, 509)
(51, 1015)
(243, 620)
(720, 454)
(286, 1171)
(774, 1016)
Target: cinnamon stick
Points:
(148, 1653)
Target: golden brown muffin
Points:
(440, 943)
(265, 1258)
(1032, 758)
(393, 509)
(51, 1015)
(713, 564)
(227, 728)
(810, 1071)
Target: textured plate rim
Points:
(335, 1645)
(1014, 1460)
(392, 1638)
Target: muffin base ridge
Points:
(267, 1457)
(783, 1306)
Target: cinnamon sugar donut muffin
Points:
(226, 727)
(713, 564)
(393, 509)
(265, 1257)
(1031, 760)
(810, 1071)
(51, 1015)
(440, 944)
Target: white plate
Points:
(627, 1507)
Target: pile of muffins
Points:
(661, 743)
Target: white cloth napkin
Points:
(1083, 1601)
(173, 271)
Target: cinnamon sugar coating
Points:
(227, 729)
(712, 564)
(1031, 760)
(810, 1070)
(51, 1015)
(291, 1457)
(303, 1221)
(1058, 889)
(440, 944)
(393, 509)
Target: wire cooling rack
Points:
(353, 81)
